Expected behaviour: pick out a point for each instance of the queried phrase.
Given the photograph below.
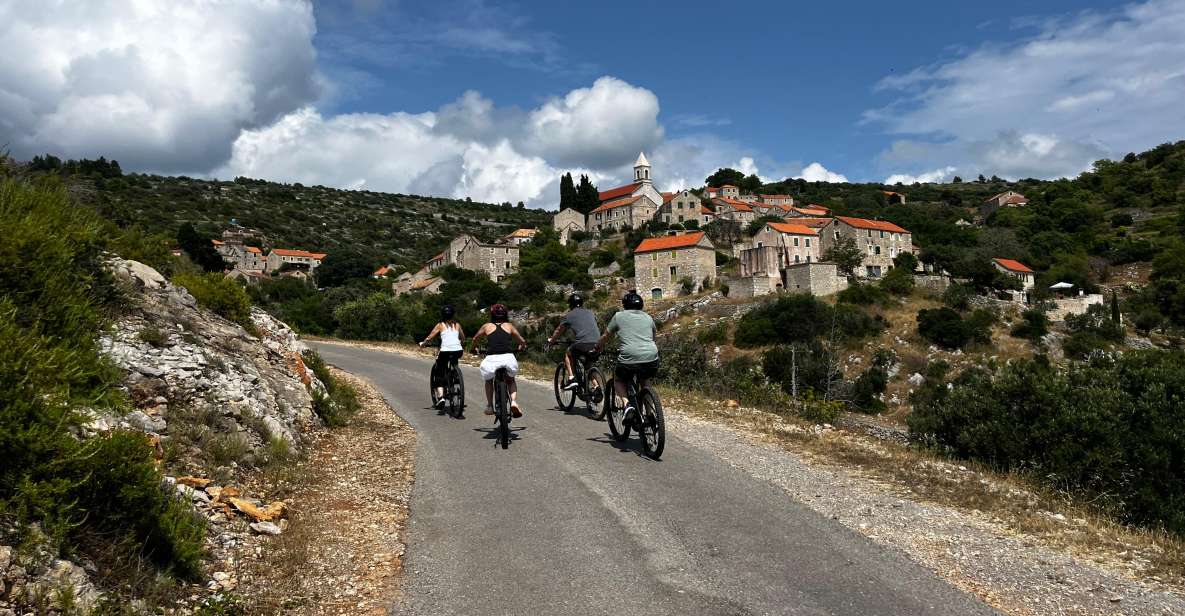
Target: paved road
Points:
(567, 522)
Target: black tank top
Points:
(500, 340)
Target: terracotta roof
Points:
(416, 286)
(728, 186)
(1017, 199)
(217, 242)
(875, 225)
(735, 204)
(255, 250)
(288, 252)
(667, 196)
(382, 271)
(524, 233)
(615, 204)
(808, 211)
(703, 209)
(889, 193)
(620, 191)
(813, 222)
(669, 242)
(1010, 199)
(1013, 265)
(783, 227)
(816, 206)
(436, 258)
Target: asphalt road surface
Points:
(566, 521)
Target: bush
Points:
(55, 295)
(862, 294)
(375, 317)
(899, 281)
(948, 329)
(801, 317)
(339, 402)
(958, 296)
(220, 294)
(1033, 326)
(868, 388)
(1109, 427)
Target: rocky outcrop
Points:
(178, 355)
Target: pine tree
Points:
(199, 248)
(568, 196)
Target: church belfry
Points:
(642, 169)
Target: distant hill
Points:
(401, 229)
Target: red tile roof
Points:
(735, 204)
(782, 227)
(217, 242)
(875, 225)
(667, 196)
(816, 206)
(255, 250)
(421, 284)
(382, 271)
(669, 242)
(604, 207)
(620, 191)
(813, 222)
(728, 186)
(809, 211)
(776, 196)
(703, 209)
(438, 257)
(523, 233)
(288, 252)
(1013, 265)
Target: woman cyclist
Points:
(451, 335)
(499, 354)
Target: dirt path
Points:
(342, 549)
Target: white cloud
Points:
(1082, 87)
(816, 172)
(155, 84)
(937, 175)
(597, 126)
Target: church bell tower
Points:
(642, 169)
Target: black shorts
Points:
(643, 372)
(581, 349)
(446, 358)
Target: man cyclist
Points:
(637, 354)
(451, 335)
(499, 354)
(583, 324)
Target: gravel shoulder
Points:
(342, 549)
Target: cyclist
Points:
(499, 354)
(637, 354)
(583, 324)
(451, 335)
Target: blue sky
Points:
(495, 99)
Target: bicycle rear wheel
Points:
(457, 395)
(502, 400)
(433, 380)
(595, 394)
(652, 428)
(564, 399)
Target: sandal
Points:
(514, 410)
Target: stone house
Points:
(734, 210)
(809, 211)
(728, 191)
(793, 243)
(279, 257)
(1008, 198)
(679, 207)
(707, 215)
(880, 241)
(1018, 270)
(776, 199)
(496, 260)
(629, 212)
(661, 264)
(764, 270)
(568, 221)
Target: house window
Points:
(674, 273)
(795, 241)
(808, 242)
(882, 233)
(808, 258)
(508, 265)
(491, 264)
(869, 233)
(878, 249)
(760, 244)
(654, 256)
(796, 258)
(837, 234)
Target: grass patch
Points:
(339, 402)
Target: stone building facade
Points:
(568, 221)
(661, 264)
(793, 243)
(681, 207)
(879, 240)
(496, 260)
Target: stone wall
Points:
(814, 278)
(1072, 305)
(653, 270)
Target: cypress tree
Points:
(588, 197)
(568, 196)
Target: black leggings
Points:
(444, 361)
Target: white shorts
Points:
(492, 363)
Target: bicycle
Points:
(646, 418)
(590, 385)
(454, 388)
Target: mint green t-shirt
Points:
(635, 330)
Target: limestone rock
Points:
(265, 528)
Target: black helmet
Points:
(575, 300)
(499, 313)
(447, 312)
(632, 301)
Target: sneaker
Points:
(514, 410)
(440, 403)
(627, 412)
(571, 385)
(489, 410)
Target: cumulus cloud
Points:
(595, 126)
(816, 172)
(158, 85)
(937, 175)
(1091, 85)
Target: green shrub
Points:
(867, 389)
(958, 296)
(715, 334)
(948, 329)
(861, 294)
(801, 317)
(154, 336)
(339, 402)
(1109, 427)
(899, 281)
(1033, 326)
(375, 317)
(221, 295)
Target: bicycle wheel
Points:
(617, 429)
(503, 412)
(594, 394)
(564, 399)
(433, 379)
(652, 428)
(458, 393)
